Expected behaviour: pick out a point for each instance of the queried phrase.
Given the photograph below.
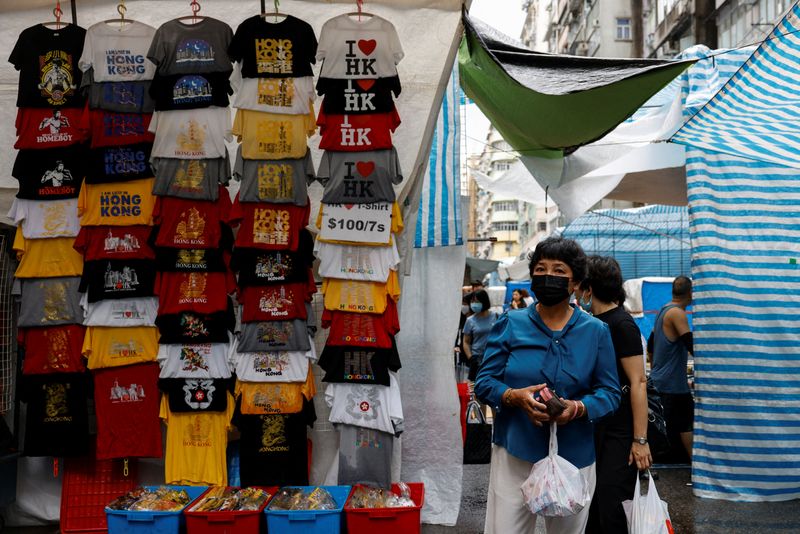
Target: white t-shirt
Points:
(353, 262)
(367, 405)
(46, 218)
(141, 311)
(191, 133)
(273, 366)
(357, 50)
(199, 360)
(274, 95)
(118, 53)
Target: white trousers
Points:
(506, 512)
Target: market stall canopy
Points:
(478, 268)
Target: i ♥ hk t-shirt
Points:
(357, 133)
(353, 48)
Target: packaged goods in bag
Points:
(647, 514)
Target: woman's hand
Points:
(569, 412)
(524, 399)
(641, 455)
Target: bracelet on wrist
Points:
(507, 396)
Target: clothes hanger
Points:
(57, 13)
(122, 21)
(275, 13)
(195, 7)
(360, 13)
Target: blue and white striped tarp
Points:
(439, 217)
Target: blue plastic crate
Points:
(310, 521)
(134, 522)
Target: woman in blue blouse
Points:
(550, 344)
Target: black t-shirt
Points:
(52, 174)
(117, 279)
(196, 394)
(627, 342)
(190, 91)
(273, 449)
(47, 61)
(205, 260)
(190, 327)
(265, 267)
(57, 420)
(285, 49)
(359, 365)
(119, 163)
(354, 97)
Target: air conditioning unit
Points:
(583, 48)
(596, 23)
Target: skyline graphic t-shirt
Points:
(118, 53)
(185, 48)
(114, 242)
(359, 296)
(117, 204)
(112, 346)
(45, 218)
(117, 279)
(191, 327)
(367, 405)
(49, 301)
(358, 96)
(353, 262)
(268, 226)
(52, 349)
(264, 336)
(197, 179)
(277, 181)
(290, 96)
(119, 163)
(197, 360)
(52, 174)
(359, 177)
(119, 97)
(353, 48)
(275, 303)
(191, 133)
(46, 258)
(264, 267)
(262, 398)
(41, 128)
(139, 311)
(357, 133)
(186, 395)
(269, 49)
(272, 135)
(111, 128)
(362, 329)
(184, 223)
(200, 292)
(191, 91)
(57, 418)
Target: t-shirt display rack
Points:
(136, 265)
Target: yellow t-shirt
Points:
(264, 398)
(46, 258)
(112, 346)
(272, 135)
(117, 204)
(359, 296)
(196, 445)
(397, 227)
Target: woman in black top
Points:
(621, 438)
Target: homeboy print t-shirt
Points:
(52, 174)
(117, 53)
(349, 48)
(185, 48)
(49, 128)
(266, 49)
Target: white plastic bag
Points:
(647, 514)
(555, 487)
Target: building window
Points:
(505, 205)
(542, 227)
(501, 165)
(505, 226)
(623, 29)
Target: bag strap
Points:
(473, 405)
(553, 440)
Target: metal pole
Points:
(74, 12)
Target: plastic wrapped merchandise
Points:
(372, 497)
(159, 499)
(220, 499)
(303, 499)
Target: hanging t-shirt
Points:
(358, 96)
(52, 349)
(109, 128)
(126, 401)
(140, 311)
(197, 394)
(45, 218)
(196, 445)
(111, 346)
(261, 398)
(52, 174)
(47, 61)
(57, 419)
(117, 53)
(212, 260)
(359, 178)
(331, 228)
(190, 327)
(362, 329)
(265, 267)
(185, 48)
(271, 366)
(276, 181)
(275, 303)
(46, 258)
(365, 48)
(191, 91)
(49, 301)
(200, 292)
(267, 336)
(359, 364)
(117, 279)
(271, 135)
(198, 360)
(367, 406)
(120, 97)
(197, 179)
(353, 262)
(268, 226)
(119, 163)
(357, 133)
(191, 133)
(114, 242)
(365, 456)
(289, 96)
(267, 49)
(187, 223)
(117, 204)
(273, 449)
(49, 127)
(358, 296)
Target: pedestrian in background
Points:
(518, 299)
(476, 330)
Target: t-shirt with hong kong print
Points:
(359, 177)
(256, 398)
(200, 292)
(275, 303)
(52, 349)
(117, 279)
(112, 346)
(268, 226)
(358, 47)
(362, 329)
(185, 223)
(114, 242)
(273, 135)
(118, 204)
(357, 133)
(274, 49)
(118, 53)
(359, 296)
(110, 128)
(194, 360)
(49, 128)
(191, 133)
(46, 258)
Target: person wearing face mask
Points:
(458, 348)
(553, 345)
(518, 299)
(476, 330)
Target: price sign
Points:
(359, 223)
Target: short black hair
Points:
(467, 298)
(604, 278)
(483, 297)
(561, 249)
(681, 286)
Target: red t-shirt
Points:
(108, 128)
(362, 329)
(281, 302)
(200, 292)
(191, 223)
(357, 133)
(126, 400)
(52, 349)
(269, 226)
(114, 242)
(49, 128)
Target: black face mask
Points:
(549, 289)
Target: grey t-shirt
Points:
(359, 177)
(365, 456)
(121, 97)
(267, 336)
(50, 301)
(183, 48)
(197, 179)
(277, 181)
